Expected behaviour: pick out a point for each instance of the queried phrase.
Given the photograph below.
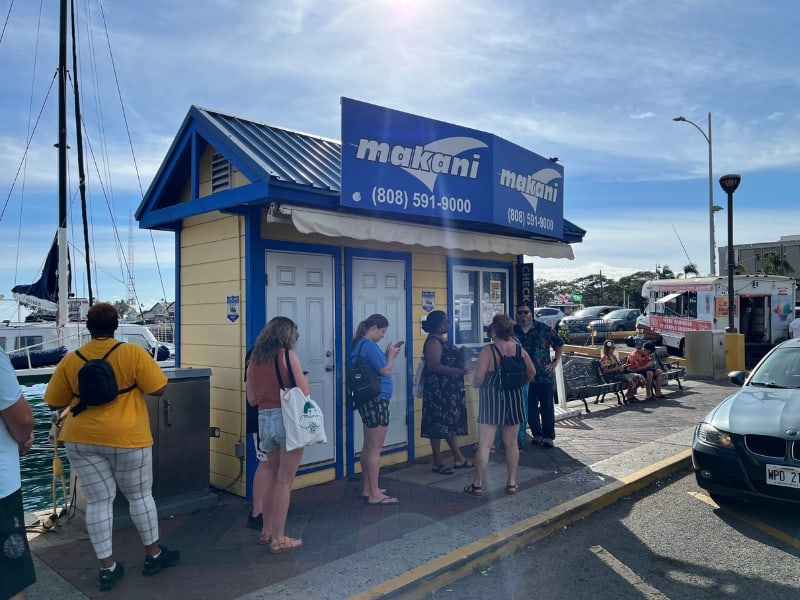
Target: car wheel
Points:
(620, 328)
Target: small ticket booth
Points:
(403, 216)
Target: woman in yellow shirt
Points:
(110, 445)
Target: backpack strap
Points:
(105, 356)
(495, 352)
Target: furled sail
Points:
(41, 296)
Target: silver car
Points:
(748, 447)
(551, 316)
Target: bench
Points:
(583, 378)
(672, 368)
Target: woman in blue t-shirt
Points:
(375, 413)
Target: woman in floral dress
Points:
(444, 408)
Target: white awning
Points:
(333, 224)
(669, 297)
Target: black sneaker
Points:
(108, 579)
(167, 558)
(255, 522)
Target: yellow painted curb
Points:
(421, 581)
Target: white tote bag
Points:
(302, 417)
(419, 379)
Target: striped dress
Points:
(497, 406)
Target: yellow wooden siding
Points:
(212, 268)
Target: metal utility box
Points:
(179, 422)
(705, 354)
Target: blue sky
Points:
(594, 83)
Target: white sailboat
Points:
(58, 319)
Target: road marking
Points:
(760, 525)
(624, 571)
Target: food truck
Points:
(763, 307)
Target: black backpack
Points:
(362, 381)
(511, 372)
(97, 383)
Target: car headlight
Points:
(708, 434)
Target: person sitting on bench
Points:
(614, 370)
(640, 361)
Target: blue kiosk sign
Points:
(403, 164)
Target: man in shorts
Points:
(16, 438)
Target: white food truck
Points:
(762, 309)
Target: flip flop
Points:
(442, 470)
(288, 543)
(365, 496)
(387, 501)
(467, 464)
(512, 488)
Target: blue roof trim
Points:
(283, 164)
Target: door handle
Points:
(329, 368)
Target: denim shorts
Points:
(271, 430)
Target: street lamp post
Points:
(729, 183)
(711, 254)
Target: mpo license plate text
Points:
(783, 476)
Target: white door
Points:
(379, 287)
(300, 286)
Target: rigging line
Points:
(130, 144)
(5, 23)
(79, 150)
(27, 147)
(681, 242)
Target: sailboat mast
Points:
(62, 313)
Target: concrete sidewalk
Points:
(435, 535)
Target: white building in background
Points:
(783, 254)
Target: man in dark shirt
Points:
(538, 338)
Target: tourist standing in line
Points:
(444, 405)
(375, 413)
(110, 445)
(538, 338)
(16, 438)
(497, 406)
(255, 520)
(274, 345)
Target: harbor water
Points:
(37, 464)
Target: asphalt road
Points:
(667, 541)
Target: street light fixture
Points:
(711, 258)
(729, 183)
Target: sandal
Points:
(288, 543)
(512, 488)
(264, 540)
(385, 501)
(474, 490)
(467, 464)
(442, 470)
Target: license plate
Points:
(783, 476)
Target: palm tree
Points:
(664, 272)
(691, 268)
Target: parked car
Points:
(748, 446)
(579, 321)
(623, 319)
(551, 316)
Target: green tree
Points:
(690, 269)
(775, 263)
(664, 272)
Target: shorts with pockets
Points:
(271, 429)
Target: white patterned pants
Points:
(100, 469)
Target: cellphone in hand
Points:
(400, 343)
